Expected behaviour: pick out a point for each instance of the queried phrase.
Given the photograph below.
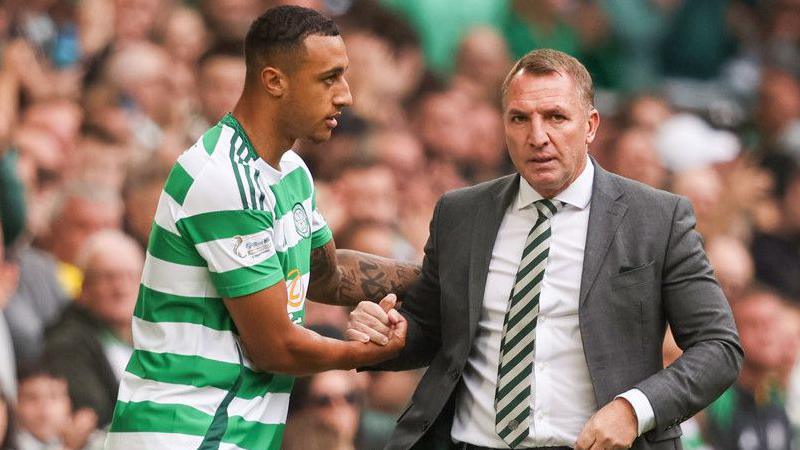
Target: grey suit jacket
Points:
(644, 267)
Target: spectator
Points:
(482, 62)
(91, 343)
(634, 156)
(733, 265)
(220, 79)
(332, 399)
(46, 420)
(778, 111)
(141, 192)
(775, 253)
(81, 211)
(750, 414)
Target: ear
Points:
(274, 81)
(593, 123)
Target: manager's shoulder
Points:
(471, 193)
(643, 195)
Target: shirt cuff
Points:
(642, 407)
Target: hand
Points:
(372, 353)
(373, 322)
(613, 427)
(79, 429)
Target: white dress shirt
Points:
(561, 389)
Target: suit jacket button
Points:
(425, 425)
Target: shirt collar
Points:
(577, 194)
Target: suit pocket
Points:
(635, 276)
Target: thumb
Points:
(388, 302)
(400, 327)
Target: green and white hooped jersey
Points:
(227, 225)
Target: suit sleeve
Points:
(702, 324)
(421, 308)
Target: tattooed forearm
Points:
(346, 277)
(373, 277)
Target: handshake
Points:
(379, 326)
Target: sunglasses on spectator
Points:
(352, 398)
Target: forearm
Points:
(304, 352)
(346, 277)
(369, 277)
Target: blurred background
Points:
(98, 98)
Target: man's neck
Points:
(260, 123)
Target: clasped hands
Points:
(613, 427)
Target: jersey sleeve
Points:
(238, 247)
(321, 234)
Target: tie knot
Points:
(548, 207)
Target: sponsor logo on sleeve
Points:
(251, 247)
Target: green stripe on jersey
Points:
(214, 225)
(178, 183)
(295, 184)
(211, 138)
(246, 280)
(201, 372)
(163, 244)
(155, 306)
(170, 418)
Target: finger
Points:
(354, 335)
(585, 439)
(400, 328)
(374, 310)
(374, 336)
(395, 317)
(388, 302)
(371, 322)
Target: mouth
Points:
(541, 159)
(332, 120)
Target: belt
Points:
(465, 446)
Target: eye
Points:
(518, 119)
(330, 80)
(558, 118)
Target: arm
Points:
(274, 344)
(702, 324)
(346, 277)
(421, 310)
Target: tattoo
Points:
(370, 277)
(374, 282)
(346, 277)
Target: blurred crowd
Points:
(98, 98)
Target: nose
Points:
(538, 137)
(343, 98)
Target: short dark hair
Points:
(281, 30)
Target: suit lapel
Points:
(488, 215)
(605, 217)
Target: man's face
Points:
(111, 285)
(756, 319)
(317, 89)
(80, 219)
(548, 129)
(221, 82)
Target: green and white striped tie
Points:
(513, 396)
